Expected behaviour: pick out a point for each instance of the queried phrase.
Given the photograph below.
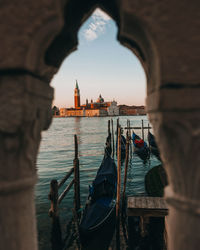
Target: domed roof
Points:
(100, 99)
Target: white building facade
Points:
(113, 109)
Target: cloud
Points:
(97, 25)
(99, 13)
(90, 34)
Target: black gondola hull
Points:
(153, 145)
(100, 236)
(98, 220)
(142, 153)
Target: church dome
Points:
(100, 99)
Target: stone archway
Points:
(36, 37)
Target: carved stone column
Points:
(165, 37)
(175, 115)
(27, 30)
(25, 110)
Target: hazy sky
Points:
(101, 66)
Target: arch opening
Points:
(94, 64)
(105, 71)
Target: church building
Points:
(98, 108)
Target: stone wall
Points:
(36, 36)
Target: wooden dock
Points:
(146, 206)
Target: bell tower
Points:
(77, 96)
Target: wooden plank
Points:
(147, 206)
(146, 202)
(147, 212)
(142, 203)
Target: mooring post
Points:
(148, 134)
(109, 127)
(118, 189)
(113, 140)
(117, 126)
(117, 132)
(76, 178)
(129, 138)
(142, 129)
(126, 166)
(56, 235)
(53, 197)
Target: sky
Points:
(101, 66)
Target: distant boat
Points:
(153, 145)
(140, 147)
(98, 221)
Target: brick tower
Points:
(77, 96)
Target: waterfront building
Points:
(113, 109)
(131, 110)
(98, 108)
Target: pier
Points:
(147, 206)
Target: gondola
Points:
(98, 221)
(153, 145)
(140, 147)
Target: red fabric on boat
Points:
(139, 143)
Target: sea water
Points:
(56, 156)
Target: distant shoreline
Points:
(57, 116)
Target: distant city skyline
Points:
(101, 66)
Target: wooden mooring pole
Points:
(129, 138)
(117, 126)
(113, 140)
(126, 167)
(109, 127)
(118, 189)
(142, 129)
(77, 203)
(56, 235)
(53, 197)
(148, 134)
(148, 128)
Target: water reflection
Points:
(77, 125)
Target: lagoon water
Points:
(56, 158)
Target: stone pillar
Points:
(175, 116)
(166, 39)
(27, 30)
(25, 110)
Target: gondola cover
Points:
(140, 146)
